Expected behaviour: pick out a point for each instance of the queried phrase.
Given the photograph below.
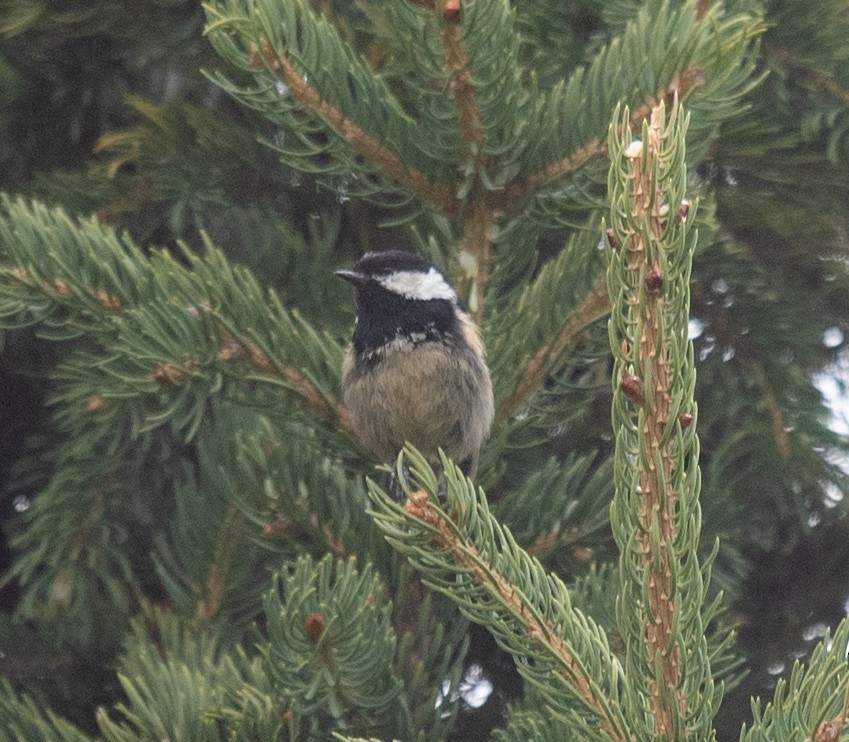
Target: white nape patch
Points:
(418, 285)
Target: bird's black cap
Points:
(383, 263)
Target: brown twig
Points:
(778, 422)
(226, 547)
(283, 525)
(234, 350)
(680, 86)
(415, 181)
(479, 214)
(594, 305)
(476, 240)
(813, 77)
(573, 538)
(457, 67)
(62, 587)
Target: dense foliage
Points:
(182, 496)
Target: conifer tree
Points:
(622, 192)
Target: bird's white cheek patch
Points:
(418, 285)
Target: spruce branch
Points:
(331, 645)
(655, 512)
(463, 552)
(236, 347)
(463, 90)
(678, 46)
(296, 496)
(570, 502)
(102, 285)
(404, 174)
(176, 681)
(811, 704)
(22, 719)
(658, 500)
(468, 559)
(337, 117)
(58, 289)
(70, 558)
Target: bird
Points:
(415, 370)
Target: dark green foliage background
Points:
(105, 111)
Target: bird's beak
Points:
(353, 276)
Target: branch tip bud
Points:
(314, 626)
(451, 11)
(108, 301)
(167, 375)
(231, 350)
(254, 59)
(634, 150)
(95, 404)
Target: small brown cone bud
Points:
(829, 731)
(583, 554)
(654, 281)
(685, 420)
(451, 11)
(632, 388)
(314, 626)
(611, 238)
(275, 527)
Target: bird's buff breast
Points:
(423, 396)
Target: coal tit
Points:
(415, 370)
